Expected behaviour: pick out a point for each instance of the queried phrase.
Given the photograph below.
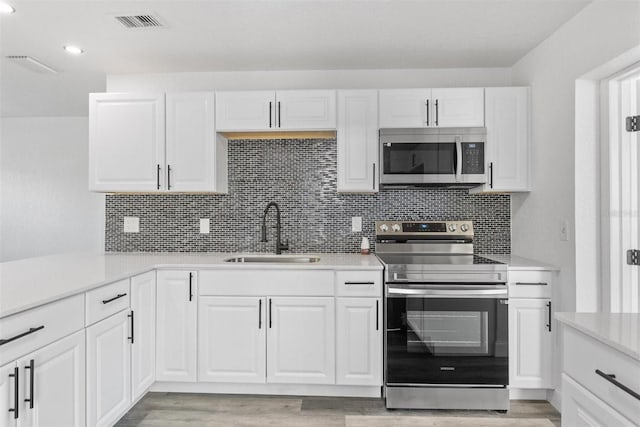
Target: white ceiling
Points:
(223, 35)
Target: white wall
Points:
(314, 79)
(45, 206)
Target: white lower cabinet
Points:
(143, 342)
(108, 370)
(301, 340)
(9, 398)
(232, 339)
(581, 408)
(359, 341)
(530, 343)
(176, 334)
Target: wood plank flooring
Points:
(184, 409)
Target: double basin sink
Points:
(274, 259)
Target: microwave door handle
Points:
(458, 165)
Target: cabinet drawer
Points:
(107, 300)
(530, 284)
(32, 329)
(359, 283)
(607, 360)
(266, 282)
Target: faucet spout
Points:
(279, 245)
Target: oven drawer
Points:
(530, 284)
(359, 283)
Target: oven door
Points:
(446, 335)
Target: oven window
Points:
(446, 341)
(422, 158)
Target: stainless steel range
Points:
(446, 318)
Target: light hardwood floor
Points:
(180, 409)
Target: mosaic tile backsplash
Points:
(300, 175)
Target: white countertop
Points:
(620, 331)
(516, 262)
(31, 282)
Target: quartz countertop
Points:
(31, 282)
(620, 331)
(516, 262)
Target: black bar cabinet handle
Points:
(270, 108)
(549, 314)
(24, 334)
(190, 286)
(427, 112)
(279, 116)
(359, 283)
(612, 379)
(436, 112)
(107, 301)
(491, 175)
(132, 325)
(168, 177)
(16, 390)
(269, 313)
(531, 283)
(31, 367)
(373, 177)
(377, 315)
(260, 314)
(158, 177)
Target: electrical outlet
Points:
(205, 225)
(131, 224)
(564, 231)
(356, 224)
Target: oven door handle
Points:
(446, 293)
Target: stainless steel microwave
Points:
(433, 156)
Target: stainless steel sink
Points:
(275, 259)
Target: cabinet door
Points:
(357, 140)
(245, 110)
(57, 373)
(176, 326)
(581, 408)
(458, 107)
(306, 109)
(359, 341)
(108, 370)
(232, 339)
(529, 343)
(8, 395)
(126, 142)
(507, 121)
(191, 142)
(143, 347)
(405, 108)
(300, 340)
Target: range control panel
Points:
(425, 229)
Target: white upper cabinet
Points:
(507, 122)
(194, 161)
(357, 141)
(126, 141)
(415, 108)
(457, 107)
(282, 110)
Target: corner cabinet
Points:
(507, 123)
(357, 141)
(129, 150)
(143, 341)
(447, 107)
(304, 110)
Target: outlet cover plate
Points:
(356, 224)
(131, 224)
(205, 224)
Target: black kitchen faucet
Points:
(279, 245)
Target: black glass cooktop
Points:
(395, 259)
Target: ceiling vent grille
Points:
(139, 21)
(32, 64)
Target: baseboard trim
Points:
(527, 394)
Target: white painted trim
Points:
(279, 389)
(554, 397)
(527, 394)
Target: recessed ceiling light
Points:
(6, 9)
(74, 50)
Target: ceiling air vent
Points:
(32, 64)
(139, 21)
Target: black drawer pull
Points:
(32, 372)
(107, 301)
(24, 334)
(531, 284)
(359, 283)
(612, 379)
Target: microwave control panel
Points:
(473, 158)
